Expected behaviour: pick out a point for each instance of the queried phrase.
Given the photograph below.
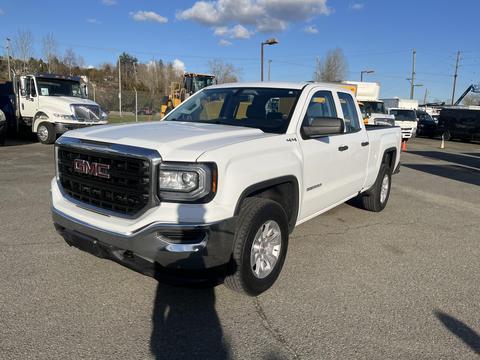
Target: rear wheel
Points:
(376, 198)
(46, 133)
(260, 247)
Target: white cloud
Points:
(357, 6)
(224, 42)
(109, 2)
(94, 21)
(235, 32)
(148, 16)
(179, 66)
(263, 15)
(311, 29)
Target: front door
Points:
(335, 165)
(28, 98)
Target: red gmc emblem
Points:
(91, 168)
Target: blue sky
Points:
(374, 34)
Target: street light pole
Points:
(271, 41)
(119, 88)
(365, 72)
(8, 60)
(269, 65)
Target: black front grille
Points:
(126, 190)
(87, 112)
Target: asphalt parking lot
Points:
(403, 284)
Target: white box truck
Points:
(405, 112)
(397, 103)
(372, 108)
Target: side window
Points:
(321, 105)
(27, 87)
(33, 92)
(349, 112)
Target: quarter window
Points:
(350, 113)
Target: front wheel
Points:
(260, 246)
(46, 133)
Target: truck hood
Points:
(66, 100)
(61, 104)
(174, 140)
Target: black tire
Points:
(3, 136)
(371, 199)
(46, 133)
(254, 214)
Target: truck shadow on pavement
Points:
(461, 330)
(185, 324)
(453, 172)
(449, 157)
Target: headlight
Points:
(57, 173)
(2, 116)
(186, 182)
(103, 114)
(64, 116)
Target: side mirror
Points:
(322, 126)
(23, 86)
(85, 90)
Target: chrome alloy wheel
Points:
(266, 249)
(384, 189)
(42, 133)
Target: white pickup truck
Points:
(220, 184)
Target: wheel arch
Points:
(37, 121)
(390, 157)
(284, 190)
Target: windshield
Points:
(425, 117)
(404, 115)
(201, 82)
(373, 107)
(59, 87)
(269, 110)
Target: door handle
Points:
(343, 148)
(365, 143)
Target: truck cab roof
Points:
(57, 76)
(282, 85)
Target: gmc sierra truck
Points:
(222, 181)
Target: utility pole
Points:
(412, 79)
(455, 77)
(317, 69)
(425, 96)
(8, 60)
(269, 65)
(119, 88)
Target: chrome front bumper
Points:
(174, 246)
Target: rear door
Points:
(355, 158)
